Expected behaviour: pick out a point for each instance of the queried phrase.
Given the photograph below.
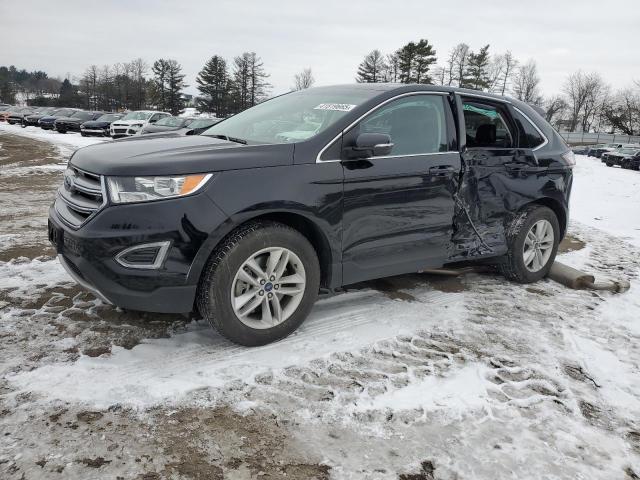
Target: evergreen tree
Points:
(476, 75)
(167, 86)
(160, 71)
(249, 85)
(68, 96)
(373, 68)
(414, 62)
(175, 85)
(213, 84)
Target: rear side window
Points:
(416, 124)
(486, 126)
(528, 135)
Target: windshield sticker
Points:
(337, 107)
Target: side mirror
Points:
(370, 145)
(153, 120)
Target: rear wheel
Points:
(532, 239)
(260, 284)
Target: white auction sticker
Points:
(338, 107)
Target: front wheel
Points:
(260, 283)
(532, 239)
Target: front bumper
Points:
(89, 253)
(95, 131)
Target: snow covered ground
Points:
(416, 376)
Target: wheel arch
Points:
(299, 222)
(556, 207)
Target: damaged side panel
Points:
(494, 184)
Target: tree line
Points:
(586, 102)
(137, 85)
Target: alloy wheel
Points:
(268, 287)
(538, 246)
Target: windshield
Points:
(137, 116)
(205, 122)
(628, 151)
(292, 117)
(109, 117)
(613, 145)
(83, 115)
(65, 112)
(170, 122)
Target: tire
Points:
(83, 134)
(513, 266)
(609, 164)
(221, 278)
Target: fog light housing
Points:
(147, 256)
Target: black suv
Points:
(307, 192)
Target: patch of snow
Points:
(168, 369)
(20, 277)
(465, 389)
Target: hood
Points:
(175, 154)
(69, 120)
(159, 128)
(129, 122)
(95, 124)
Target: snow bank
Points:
(69, 140)
(606, 198)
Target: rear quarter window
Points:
(528, 135)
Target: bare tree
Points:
(303, 80)
(392, 72)
(457, 64)
(623, 112)
(555, 107)
(585, 93)
(526, 83)
(509, 64)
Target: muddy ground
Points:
(300, 421)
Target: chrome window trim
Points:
(485, 97)
(546, 140)
(346, 129)
(163, 249)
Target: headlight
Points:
(135, 125)
(143, 189)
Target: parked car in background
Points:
(623, 157)
(35, 117)
(133, 122)
(199, 125)
(598, 150)
(47, 122)
(16, 116)
(5, 111)
(582, 149)
(308, 192)
(100, 126)
(166, 124)
(72, 122)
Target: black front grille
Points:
(79, 196)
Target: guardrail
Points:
(577, 138)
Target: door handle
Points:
(442, 171)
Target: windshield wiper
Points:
(231, 139)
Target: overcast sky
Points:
(331, 37)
